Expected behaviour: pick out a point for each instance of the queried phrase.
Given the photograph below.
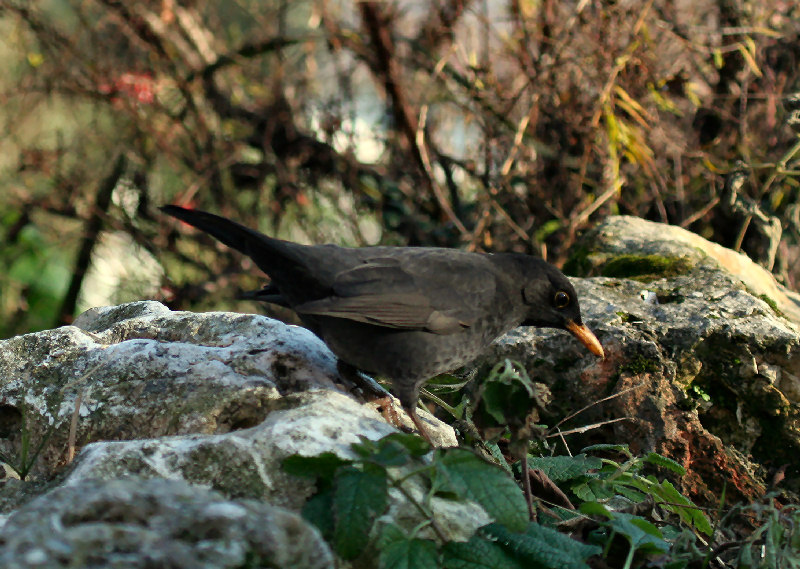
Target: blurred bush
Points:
(485, 125)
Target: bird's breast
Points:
(399, 354)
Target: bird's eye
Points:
(561, 299)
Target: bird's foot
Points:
(355, 381)
(423, 431)
(387, 407)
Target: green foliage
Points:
(399, 551)
(608, 489)
(623, 513)
(361, 496)
(541, 546)
(352, 497)
(562, 468)
(507, 394)
(625, 479)
(40, 270)
(775, 543)
(461, 473)
(506, 401)
(477, 553)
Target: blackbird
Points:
(404, 313)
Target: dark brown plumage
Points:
(404, 313)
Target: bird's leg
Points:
(348, 375)
(355, 380)
(368, 388)
(412, 412)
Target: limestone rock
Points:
(140, 371)
(702, 362)
(156, 523)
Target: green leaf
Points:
(583, 492)
(477, 553)
(560, 468)
(641, 534)
(719, 60)
(620, 448)
(595, 509)
(398, 551)
(321, 466)
(414, 444)
(392, 450)
(319, 512)
(507, 395)
(633, 495)
(360, 496)
(389, 534)
(690, 514)
(664, 462)
(593, 490)
(462, 473)
(447, 383)
(388, 454)
(547, 229)
(510, 372)
(502, 402)
(396, 449)
(364, 447)
(646, 526)
(542, 547)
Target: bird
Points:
(406, 314)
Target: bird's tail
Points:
(262, 249)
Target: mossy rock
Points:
(642, 268)
(772, 304)
(645, 267)
(640, 364)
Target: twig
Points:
(412, 128)
(419, 142)
(780, 167)
(737, 245)
(585, 428)
(590, 405)
(398, 483)
(700, 213)
(73, 426)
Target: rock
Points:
(247, 463)
(702, 362)
(625, 246)
(156, 523)
(244, 463)
(140, 371)
(214, 400)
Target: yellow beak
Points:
(586, 337)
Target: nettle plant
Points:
(353, 505)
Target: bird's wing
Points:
(421, 293)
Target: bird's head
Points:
(553, 303)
